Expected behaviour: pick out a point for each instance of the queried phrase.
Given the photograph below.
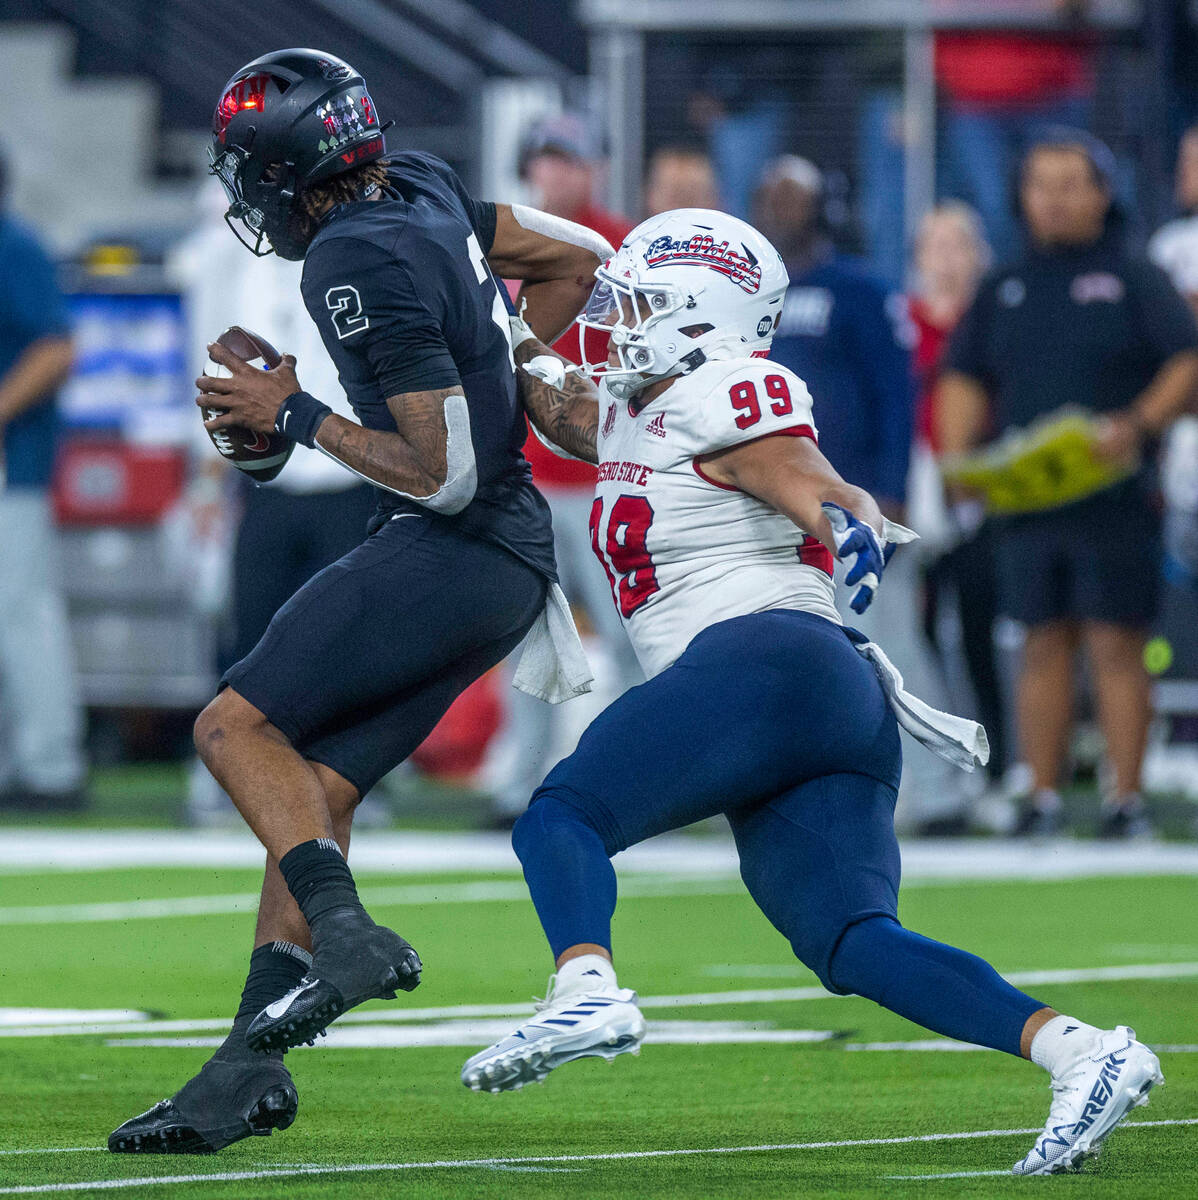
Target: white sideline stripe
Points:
(616, 1156)
(376, 897)
(53, 1150)
(406, 853)
(951, 1175)
(692, 1000)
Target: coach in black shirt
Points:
(1076, 321)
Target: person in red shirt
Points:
(562, 163)
(999, 88)
(951, 255)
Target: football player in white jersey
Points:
(717, 519)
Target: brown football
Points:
(260, 455)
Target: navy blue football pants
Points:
(776, 721)
(362, 662)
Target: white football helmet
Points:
(686, 287)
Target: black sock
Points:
(275, 969)
(318, 878)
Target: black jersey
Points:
(405, 302)
(1088, 326)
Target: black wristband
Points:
(299, 417)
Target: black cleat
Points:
(1126, 823)
(353, 960)
(227, 1101)
(1037, 823)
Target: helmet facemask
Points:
(263, 225)
(639, 319)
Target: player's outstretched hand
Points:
(858, 541)
(249, 395)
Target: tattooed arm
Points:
(429, 459)
(568, 415)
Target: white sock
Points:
(1060, 1041)
(584, 973)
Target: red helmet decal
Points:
(247, 93)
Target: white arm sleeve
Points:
(461, 470)
(562, 230)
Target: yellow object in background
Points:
(1046, 465)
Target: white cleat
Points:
(1091, 1097)
(602, 1023)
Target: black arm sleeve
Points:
(373, 321)
(966, 349)
(1164, 317)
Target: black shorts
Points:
(1096, 560)
(360, 664)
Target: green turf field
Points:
(718, 1105)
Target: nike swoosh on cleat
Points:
(279, 1007)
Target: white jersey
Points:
(681, 551)
(1174, 248)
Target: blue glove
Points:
(856, 540)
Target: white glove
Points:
(521, 330)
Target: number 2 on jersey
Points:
(623, 550)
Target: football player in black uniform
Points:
(357, 668)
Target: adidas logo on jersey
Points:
(657, 426)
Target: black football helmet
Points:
(285, 121)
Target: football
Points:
(260, 455)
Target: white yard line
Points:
(479, 1033)
(398, 852)
(376, 897)
(685, 1000)
(617, 1156)
(944, 1046)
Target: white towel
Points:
(956, 739)
(553, 665)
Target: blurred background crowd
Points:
(989, 214)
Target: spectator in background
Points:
(562, 162)
(39, 698)
(850, 341)
(1076, 320)
(740, 104)
(316, 511)
(843, 334)
(1174, 247)
(951, 255)
(679, 177)
(999, 87)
